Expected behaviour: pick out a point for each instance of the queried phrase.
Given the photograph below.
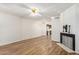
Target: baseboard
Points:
(21, 40)
(32, 37)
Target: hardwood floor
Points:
(36, 46)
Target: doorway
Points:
(48, 29)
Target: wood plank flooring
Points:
(36, 46)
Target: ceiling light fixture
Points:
(35, 11)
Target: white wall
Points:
(33, 28)
(10, 28)
(56, 29)
(70, 17)
(14, 28)
(77, 27)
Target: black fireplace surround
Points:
(68, 35)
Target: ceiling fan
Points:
(34, 11)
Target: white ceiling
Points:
(46, 9)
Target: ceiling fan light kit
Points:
(35, 11)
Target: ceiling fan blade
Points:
(42, 14)
(29, 9)
(24, 6)
(46, 9)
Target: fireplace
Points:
(68, 40)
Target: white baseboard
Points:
(6, 43)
